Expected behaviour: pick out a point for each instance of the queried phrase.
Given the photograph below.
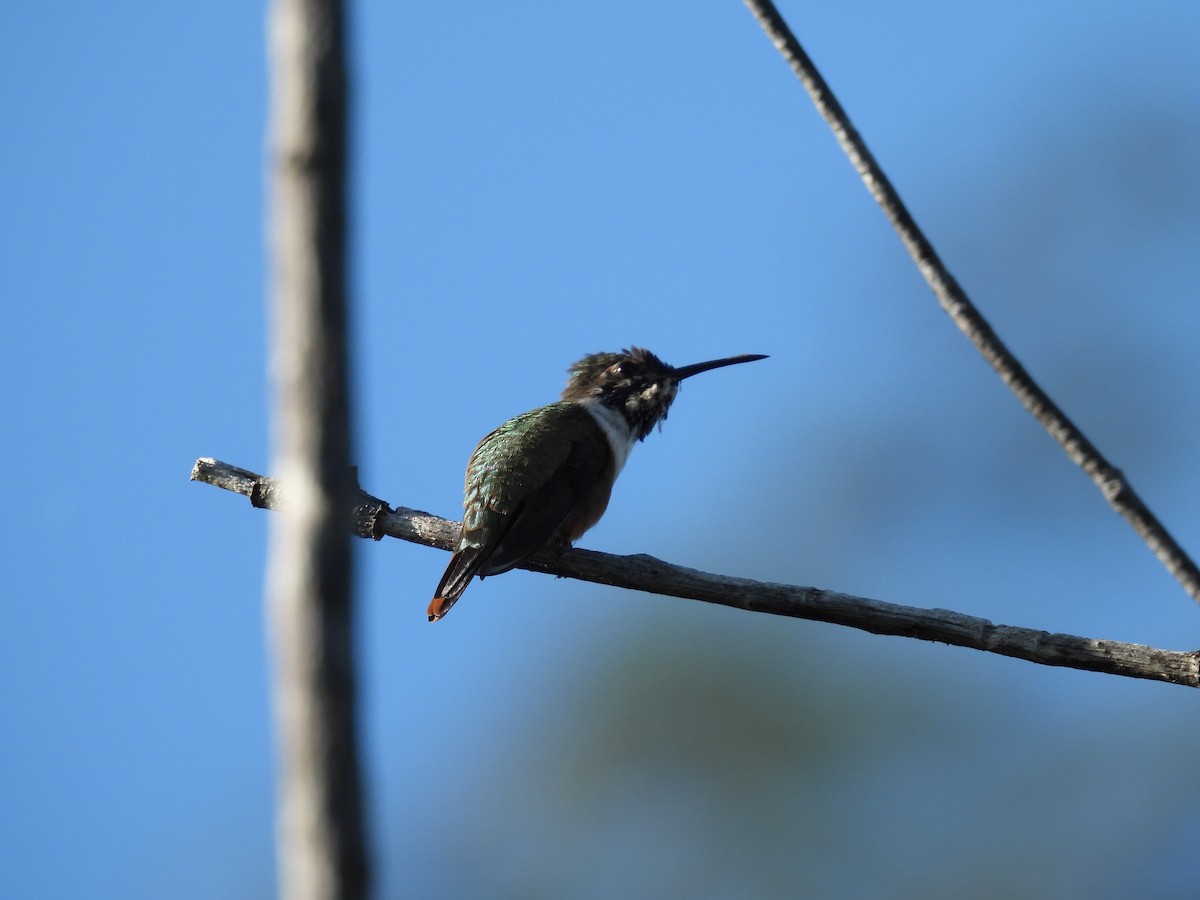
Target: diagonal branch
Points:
(1111, 482)
(374, 518)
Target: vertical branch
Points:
(954, 300)
(320, 831)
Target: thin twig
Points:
(320, 825)
(373, 517)
(1111, 482)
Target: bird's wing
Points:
(546, 481)
(523, 480)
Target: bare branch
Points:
(319, 824)
(1111, 482)
(645, 573)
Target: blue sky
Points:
(533, 183)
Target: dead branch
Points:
(371, 517)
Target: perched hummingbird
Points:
(545, 476)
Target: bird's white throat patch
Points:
(612, 422)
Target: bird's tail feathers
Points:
(463, 565)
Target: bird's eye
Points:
(619, 369)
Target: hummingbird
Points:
(544, 477)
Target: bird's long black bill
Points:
(696, 368)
